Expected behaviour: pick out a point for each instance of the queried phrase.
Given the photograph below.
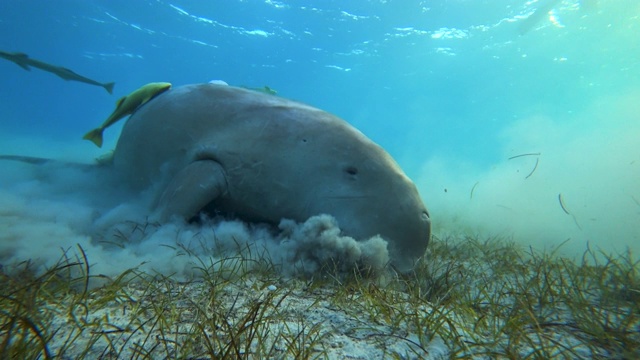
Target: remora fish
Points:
(126, 105)
(25, 62)
(265, 89)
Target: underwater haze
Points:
(515, 118)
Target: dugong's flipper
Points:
(191, 189)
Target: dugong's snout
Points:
(399, 217)
(407, 227)
(409, 238)
(423, 231)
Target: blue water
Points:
(430, 81)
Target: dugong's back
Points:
(280, 159)
(234, 123)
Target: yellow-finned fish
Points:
(126, 106)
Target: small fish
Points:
(25, 62)
(127, 105)
(265, 89)
(269, 90)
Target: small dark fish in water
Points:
(265, 89)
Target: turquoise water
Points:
(452, 89)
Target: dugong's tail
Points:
(95, 136)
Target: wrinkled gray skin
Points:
(264, 158)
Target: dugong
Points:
(263, 158)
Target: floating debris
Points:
(562, 204)
(534, 169)
(564, 208)
(472, 189)
(527, 154)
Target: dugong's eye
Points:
(351, 170)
